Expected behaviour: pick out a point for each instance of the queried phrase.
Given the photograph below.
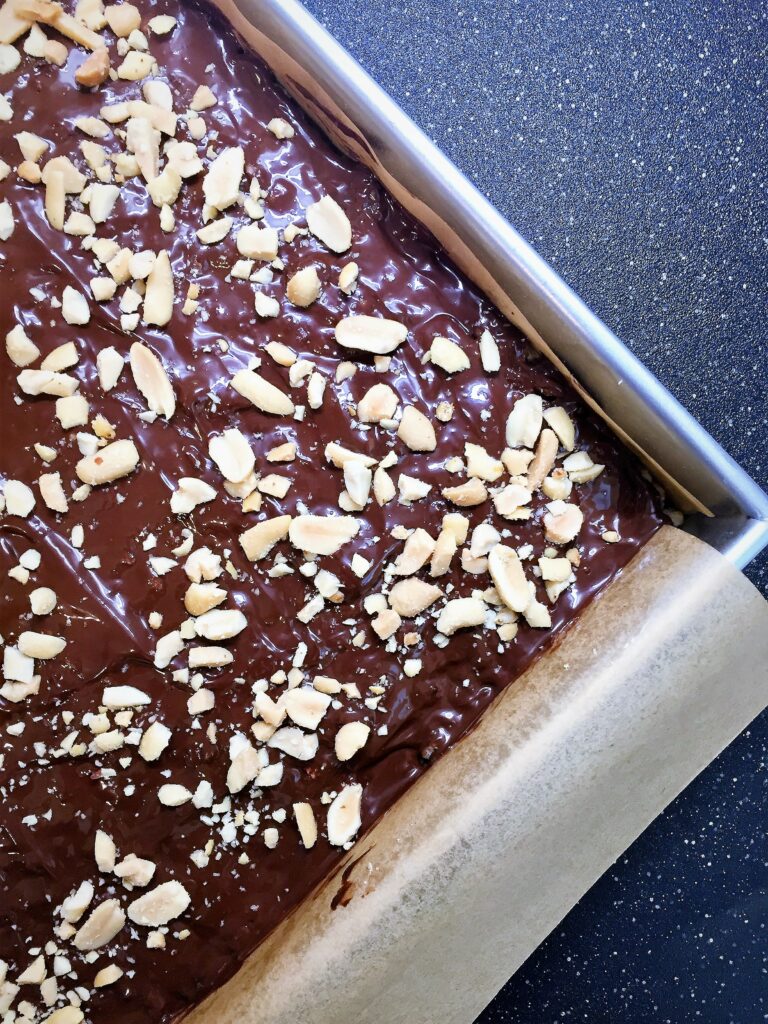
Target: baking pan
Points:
(363, 119)
(447, 894)
(450, 890)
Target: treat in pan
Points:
(287, 503)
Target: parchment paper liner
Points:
(475, 865)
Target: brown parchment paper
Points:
(475, 865)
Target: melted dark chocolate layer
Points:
(51, 807)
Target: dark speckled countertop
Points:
(627, 142)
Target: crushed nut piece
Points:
(328, 222)
(563, 522)
(261, 538)
(101, 926)
(524, 422)
(304, 287)
(412, 596)
(509, 578)
(343, 820)
(94, 70)
(370, 334)
(351, 738)
(322, 535)
(416, 431)
(471, 493)
(448, 355)
(262, 394)
(461, 613)
(110, 463)
(160, 905)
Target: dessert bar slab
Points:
(288, 504)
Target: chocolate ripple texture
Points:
(52, 806)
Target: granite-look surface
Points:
(627, 142)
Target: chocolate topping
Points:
(52, 802)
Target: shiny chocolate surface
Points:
(53, 803)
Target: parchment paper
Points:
(476, 864)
